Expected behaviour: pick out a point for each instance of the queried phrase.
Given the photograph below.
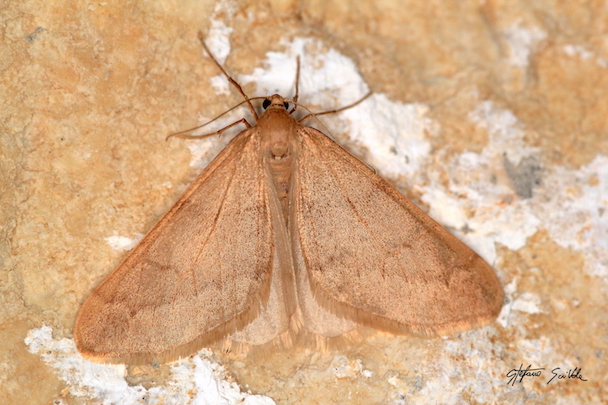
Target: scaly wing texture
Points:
(375, 258)
(272, 325)
(201, 273)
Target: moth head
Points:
(276, 99)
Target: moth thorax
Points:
(278, 128)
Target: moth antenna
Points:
(230, 79)
(295, 98)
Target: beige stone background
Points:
(89, 90)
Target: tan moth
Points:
(284, 233)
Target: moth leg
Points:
(336, 111)
(184, 136)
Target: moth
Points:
(284, 233)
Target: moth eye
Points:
(266, 103)
(286, 104)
